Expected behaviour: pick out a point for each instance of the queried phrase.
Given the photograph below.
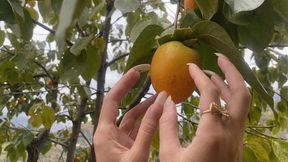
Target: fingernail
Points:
(218, 54)
(161, 98)
(191, 64)
(221, 55)
(208, 72)
(169, 101)
(142, 68)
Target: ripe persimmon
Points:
(50, 83)
(169, 70)
(189, 5)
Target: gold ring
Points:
(217, 110)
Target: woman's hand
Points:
(130, 142)
(217, 139)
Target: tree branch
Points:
(43, 68)
(49, 30)
(117, 58)
(86, 139)
(177, 14)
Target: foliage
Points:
(56, 84)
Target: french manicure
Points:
(208, 72)
(142, 68)
(191, 64)
(161, 98)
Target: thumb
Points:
(148, 127)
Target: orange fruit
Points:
(50, 83)
(189, 5)
(169, 70)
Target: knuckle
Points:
(212, 89)
(148, 127)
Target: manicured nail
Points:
(161, 98)
(218, 54)
(142, 68)
(208, 72)
(191, 64)
(169, 101)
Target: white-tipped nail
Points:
(191, 64)
(208, 72)
(161, 98)
(142, 68)
(218, 54)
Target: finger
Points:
(134, 114)
(111, 101)
(168, 126)
(222, 86)
(232, 75)
(149, 125)
(208, 93)
(238, 90)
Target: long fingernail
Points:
(161, 98)
(192, 65)
(208, 72)
(142, 68)
(221, 55)
(169, 101)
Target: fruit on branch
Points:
(169, 70)
(190, 5)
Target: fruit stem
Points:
(177, 14)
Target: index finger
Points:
(120, 89)
(232, 75)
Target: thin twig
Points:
(49, 30)
(86, 139)
(177, 14)
(117, 58)
(43, 68)
(190, 121)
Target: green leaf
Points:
(254, 114)
(259, 151)
(6, 12)
(70, 10)
(248, 155)
(45, 147)
(280, 6)
(48, 116)
(217, 38)
(281, 150)
(189, 20)
(208, 8)
(35, 121)
(138, 29)
(243, 5)
(127, 5)
(2, 37)
(45, 9)
(80, 45)
(27, 138)
(260, 24)
(72, 66)
(93, 60)
(144, 45)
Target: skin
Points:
(130, 141)
(216, 139)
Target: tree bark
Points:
(76, 130)
(101, 74)
(34, 147)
